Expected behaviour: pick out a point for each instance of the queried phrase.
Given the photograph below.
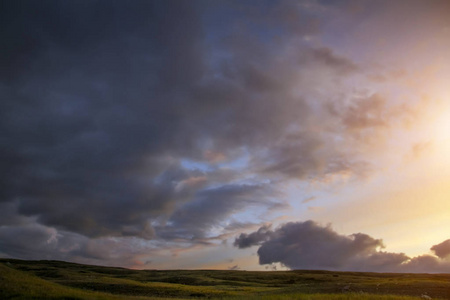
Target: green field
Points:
(61, 280)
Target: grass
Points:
(349, 296)
(61, 280)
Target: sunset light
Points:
(442, 126)
(241, 135)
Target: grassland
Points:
(61, 280)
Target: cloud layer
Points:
(103, 108)
(165, 122)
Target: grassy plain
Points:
(21, 279)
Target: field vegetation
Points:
(61, 280)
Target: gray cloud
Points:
(35, 241)
(212, 206)
(326, 56)
(102, 104)
(426, 264)
(30, 241)
(442, 250)
(9, 214)
(83, 118)
(255, 238)
(308, 245)
(107, 107)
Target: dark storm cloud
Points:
(81, 117)
(50, 33)
(103, 102)
(101, 98)
(308, 245)
(9, 214)
(28, 241)
(119, 206)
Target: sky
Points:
(251, 135)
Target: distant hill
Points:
(21, 279)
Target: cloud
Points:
(98, 115)
(212, 206)
(9, 214)
(84, 125)
(365, 113)
(255, 238)
(104, 102)
(426, 264)
(309, 199)
(335, 62)
(35, 241)
(442, 250)
(419, 149)
(315, 208)
(20, 240)
(309, 245)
